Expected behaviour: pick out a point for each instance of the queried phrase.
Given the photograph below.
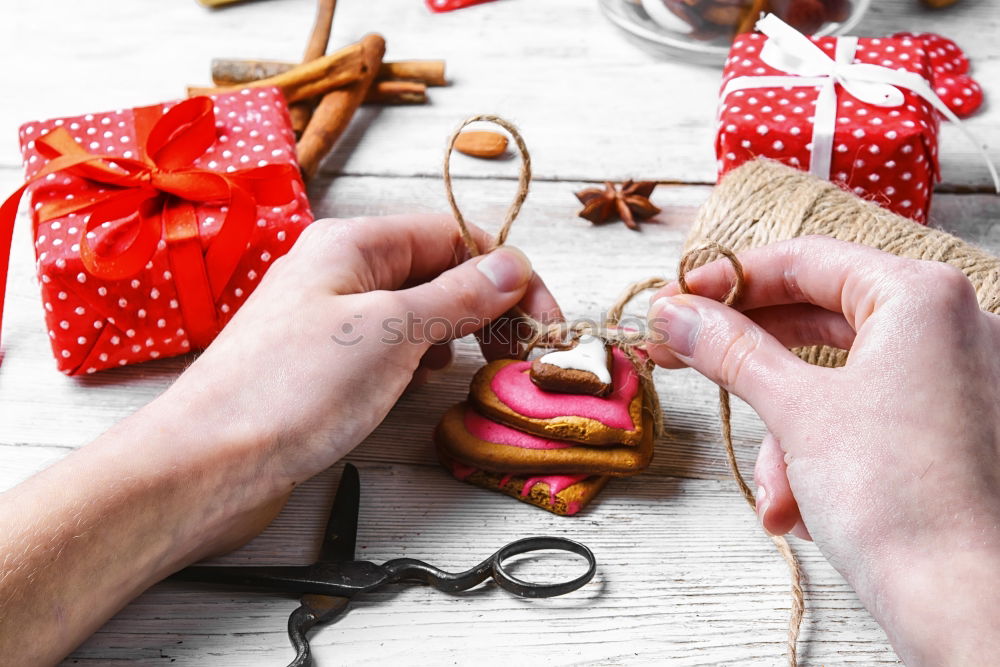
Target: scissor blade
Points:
(342, 526)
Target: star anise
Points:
(629, 203)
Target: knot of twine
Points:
(691, 259)
(560, 335)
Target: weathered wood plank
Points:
(685, 576)
(38, 405)
(591, 104)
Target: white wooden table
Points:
(686, 576)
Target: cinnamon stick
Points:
(335, 110)
(229, 71)
(429, 72)
(397, 92)
(299, 114)
(385, 93)
(757, 7)
(316, 77)
(319, 39)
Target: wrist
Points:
(202, 473)
(93, 531)
(938, 604)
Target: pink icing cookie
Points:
(565, 495)
(491, 431)
(503, 391)
(513, 386)
(477, 441)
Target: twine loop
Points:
(523, 182)
(702, 255)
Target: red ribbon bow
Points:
(153, 198)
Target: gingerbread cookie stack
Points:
(551, 432)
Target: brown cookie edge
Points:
(617, 461)
(582, 430)
(582, 493)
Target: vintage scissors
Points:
(328, 585)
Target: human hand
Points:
(335, 332)
(891, 463)
(300, 376)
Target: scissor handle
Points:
(402, 569)
(530, 589)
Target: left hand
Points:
(308, 367)
(339, 327)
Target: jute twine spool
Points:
(764, 201)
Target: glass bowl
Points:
(656, 28)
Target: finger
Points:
(835, 275)
(388, 252)
(539, 303)
(403, 251)
(503, 338)
(500, 339)
(731, 350)
(437, 357)
(462, 299)
(419, 379)
(801, 325)
(776, 507)
(796, 325)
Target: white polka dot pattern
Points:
(885, 155)
(949, 72)
(114, 323)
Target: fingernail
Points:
(762, 504)
(802, 532)
(668, 290)
(674, 325)
(507, 268)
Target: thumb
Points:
(465, 296)
(728, 348)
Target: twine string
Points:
(697, 257)
(633, 345)
(561, 335)
(523, 182)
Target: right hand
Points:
(891, 463)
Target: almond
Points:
(481, 144)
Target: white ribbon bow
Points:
(790, 51)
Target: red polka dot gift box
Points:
(860, 112)
(152, 225)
